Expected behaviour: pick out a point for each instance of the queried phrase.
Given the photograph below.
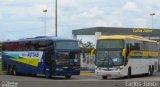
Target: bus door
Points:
(49, 60)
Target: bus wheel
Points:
(152, 69)
(48, 73)
(104, 77)
(14, 72)
(129, 73)
(150, 73)
(67, 76)
(9, 70)
(48, 76)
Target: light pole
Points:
(56, 18)
(152, 14)
(45, 11)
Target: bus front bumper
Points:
(115, 73)
(67, 72)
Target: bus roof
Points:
(125, 37)
(41, 38)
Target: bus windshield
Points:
(65, 58)
(109, 58)
(67, 45)
(109, 44)
(108, 52)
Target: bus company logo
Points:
(33, 54)
(9, 84)
(142, 30)
(30, 54)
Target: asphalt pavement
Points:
(80, 81)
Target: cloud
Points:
(92, 13)
(140, 22)
(69, 3)
(74, 14)
(28, 13)
(154, 2)
(131, 6)
(6, 1)
(7, 36)
(1, 17)
(101, 23)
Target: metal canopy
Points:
(118, 31)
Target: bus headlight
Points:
(121, 67)
(77, 69)
(59, 69)
(118, 68)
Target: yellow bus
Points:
(125, 55)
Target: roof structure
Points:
(118, 31)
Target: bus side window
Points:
(135, 46)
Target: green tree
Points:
(86, 47)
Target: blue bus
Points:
(50, 56)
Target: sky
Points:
(25, 18)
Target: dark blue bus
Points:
(50, 56)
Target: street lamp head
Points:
(152, 14)
(45, 10)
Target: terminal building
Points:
(153, 34)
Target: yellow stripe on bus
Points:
(29, 61)
(143, 53)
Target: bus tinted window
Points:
(66, 45)
(135, 46)
(28, 45)
(107, 44)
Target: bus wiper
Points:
(111, 60)
(105, 58)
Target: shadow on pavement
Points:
(132, 77)
(43, 77)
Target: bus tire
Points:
(150, 73)
(14, 71)
(67, 76)
(104, 77)
(9, 70)
(129, 73)
(152, 69)
(48, 76)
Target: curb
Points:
(87, 73)
(2, 73)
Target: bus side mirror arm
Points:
(124, 52)
(92, 52)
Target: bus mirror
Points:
(92, 52)
(124, 52)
